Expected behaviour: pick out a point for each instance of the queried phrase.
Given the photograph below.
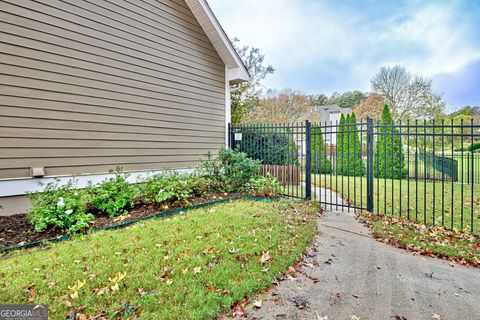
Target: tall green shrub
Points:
(389, 159)
(342, 141)
(355, 165)
(272, 147)
(320, 162)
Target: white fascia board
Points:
(236, 75)
(19, 187)
(217, 36)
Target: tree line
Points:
(408, 95)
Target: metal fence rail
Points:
(424, 171)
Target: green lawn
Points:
(191, 266)
(452, 245)
(423, 202)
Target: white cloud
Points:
(325, 46)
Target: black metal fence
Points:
(424, 171)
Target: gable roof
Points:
(237, 72)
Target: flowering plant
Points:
(60, 206)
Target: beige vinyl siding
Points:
(86, 86)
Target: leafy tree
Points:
(280, 107)
(347, 99)
(320, 162)
(245, 96)
(389, 159)
(318, 99)
(371, 107)
(409, 96)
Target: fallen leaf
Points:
(264, 258)
(197, 270)
(257, 304)
(292, 271)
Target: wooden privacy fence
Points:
(287, 175)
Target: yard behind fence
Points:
(424, 171)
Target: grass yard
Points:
(436, 241)
(426, 205)
(191, 266)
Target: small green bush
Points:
(115, 195)
(261, 186)
(60, 206)
(229, 171)
(237, 169)
(174, 187)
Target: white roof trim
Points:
(214, 31)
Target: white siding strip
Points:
(18, 187)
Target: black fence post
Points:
(369, 164)
(229, 135)
(308, 161)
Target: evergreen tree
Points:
(355, 164)
(320, 161)
(389, 159)
(342, 140)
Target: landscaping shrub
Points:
(60, 206)
(389, 161)
(261, 186)
(320, 162)
(230, 171)
(174, 187)
(115, 195)
(275, 148)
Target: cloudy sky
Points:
(325, 46)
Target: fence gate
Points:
(323, 162)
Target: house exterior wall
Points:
(86, 86)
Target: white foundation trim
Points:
(19, 187)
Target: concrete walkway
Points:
(360, 278)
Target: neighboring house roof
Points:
(237, 72)
(325, 111)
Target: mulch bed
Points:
(16, 229)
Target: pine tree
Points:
(320, 161)
(389, 159)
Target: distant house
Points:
(330, 115)
(88, 86)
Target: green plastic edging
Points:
(128, 223)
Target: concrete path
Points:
(361, 278)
